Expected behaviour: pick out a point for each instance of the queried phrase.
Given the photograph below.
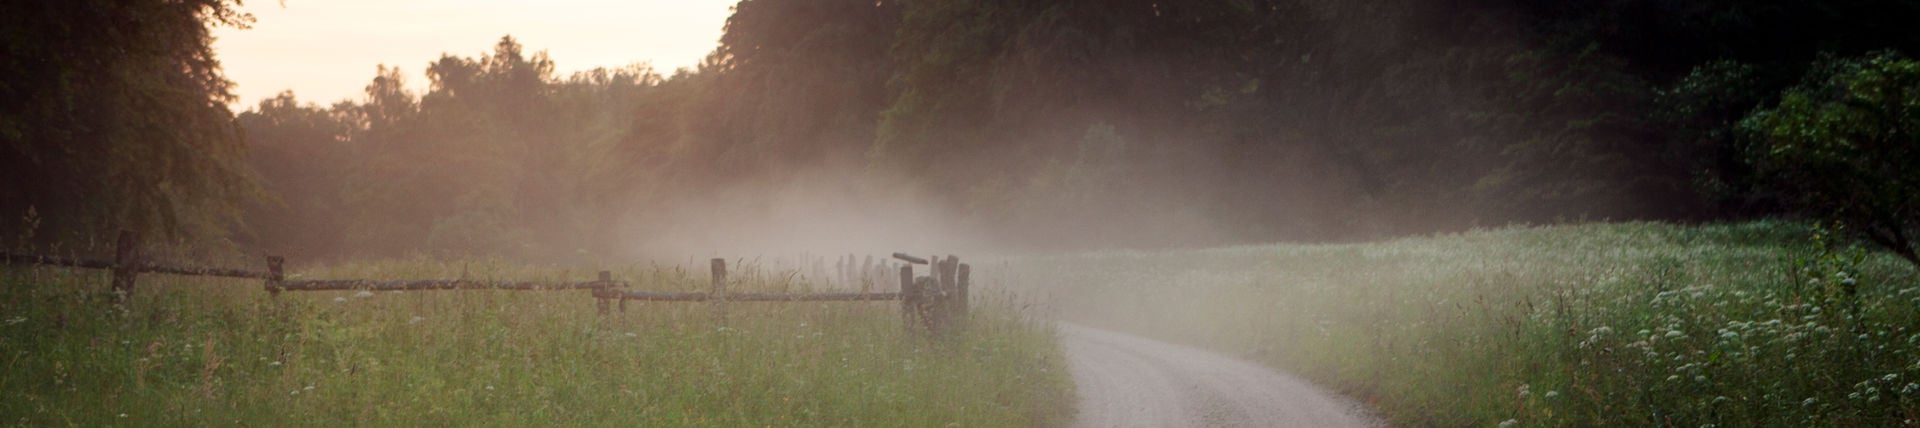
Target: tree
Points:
(116, 117)
(300, 151)
(1843, 145)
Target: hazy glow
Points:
(327, 50)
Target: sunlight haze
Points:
(326, 51)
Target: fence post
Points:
(944, 306)
(718, 295)
(605, 278)
(276, 273)
(966, 273)
(126, 261)
(606, 281)
(908, 296)
(925, 305)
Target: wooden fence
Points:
(127, 265)
(936, 303)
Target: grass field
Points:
(222, 352)
(1591, 325)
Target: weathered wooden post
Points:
(960, 299)
(276, 274)
(126, 265)
(907, 295)
(718, 294)
(925, 303)
(605, 278)
(945, 306)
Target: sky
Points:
(328, 50)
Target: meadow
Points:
(1634, 324)
(196, 351)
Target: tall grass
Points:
(1593, 325)
(217, 352)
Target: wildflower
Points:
(1510, 423)
(489, 387)
(416, 319)
(1552, 394)
(1671, 334)
(363, 294)
(16, 320)
(630, 334)
(273, 364)
(122, 415)
(339, 299)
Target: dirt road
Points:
(1131, 381)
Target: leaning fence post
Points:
(605, 278)
(718, 294)
(126, 260)
(276, 273)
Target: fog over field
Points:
(1428, 212)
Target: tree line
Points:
(1062, 124)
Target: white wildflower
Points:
(363, 294)
(1510, 423)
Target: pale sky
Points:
(328, 50)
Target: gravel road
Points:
(1131, 381)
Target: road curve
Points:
(1131, 381)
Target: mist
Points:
(856, 127)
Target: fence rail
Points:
(437, 284)
(655, 296)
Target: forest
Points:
(1033, 125)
